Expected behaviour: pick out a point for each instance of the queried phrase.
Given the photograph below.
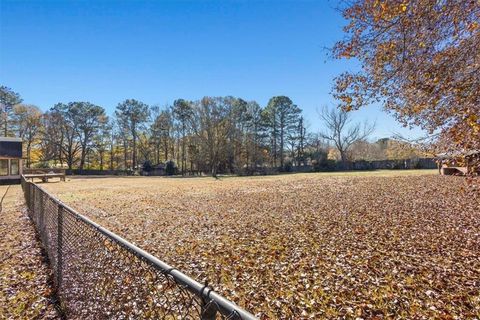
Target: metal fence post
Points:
(29, 197)
(59, 245)
(34, 214)
(32, 202)
(26, 192)
(209, 312)
(41, 212)
(209, 309)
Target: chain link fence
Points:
(99, 275)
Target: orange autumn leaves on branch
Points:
(420, 59)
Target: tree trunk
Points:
(183, 150)
(134, 155)
(274, 137)
(84, 152)
(343, 158)
(60, 158)
(281, 146)
(70, 162)
(166, 150)
(101, 160)
(125, 150)
(178, 151)
(59, 150)
(28, 155)
(214, 169)
(111, 157)
(82, 158)
(5, 116)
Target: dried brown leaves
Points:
(24, 290)
(306, 246)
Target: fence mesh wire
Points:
(98, 275)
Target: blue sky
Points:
(158, 51)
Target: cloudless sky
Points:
(158, 51)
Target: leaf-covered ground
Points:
(377, 245)
(25, 292)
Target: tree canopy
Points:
(420, 59)
(8, 99)
(132, 114)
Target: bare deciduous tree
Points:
(340, 130)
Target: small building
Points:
(156, 170)
(458, 162)
(10, 160)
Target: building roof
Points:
(457, 153)
(11, 139)
(10, 147)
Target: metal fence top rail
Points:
(203, 291)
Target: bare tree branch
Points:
(339, 129)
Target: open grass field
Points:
(377, 245)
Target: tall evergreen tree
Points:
(281, 117)
(132, 114)
(8, 99)
(183, 112)
(88, 120)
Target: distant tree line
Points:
(211, 135)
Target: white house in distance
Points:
(10, 160)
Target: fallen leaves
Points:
(306, 246)
(24, 289)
